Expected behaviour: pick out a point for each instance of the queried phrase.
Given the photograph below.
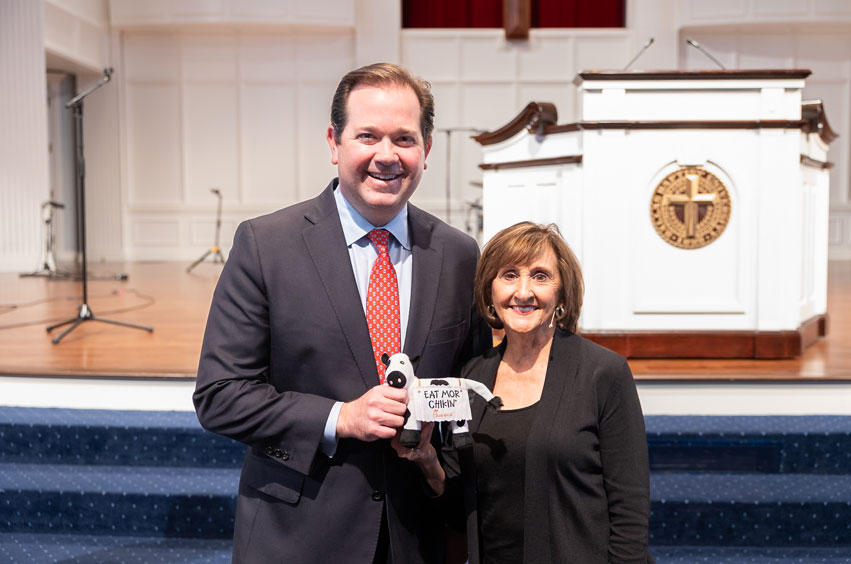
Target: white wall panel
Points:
(209, 58)
(487, 58)
(202, 232)
(267, 58)
(700, 9)
(545, 58)
(486, 105)
(324, 57)
(766, 52)
(104, 238)
(832, 7)
(210, 113)
(605, 51)
(268, 144)
(154, 152)
(23, 134)
(432, 54)
(156, 232)
(314, 156)
(781, 8)
(738, 13)
(447, 103)
(148, 57)
(835, 235)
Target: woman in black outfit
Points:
(560, 474)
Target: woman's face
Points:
(525, 296)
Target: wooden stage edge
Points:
(175, 303)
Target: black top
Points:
(586, 488)
(499, 449)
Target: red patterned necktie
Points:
(382, 302)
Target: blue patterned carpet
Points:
(154, 487)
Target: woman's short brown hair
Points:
(519, 245)
(382, 74)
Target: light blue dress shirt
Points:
(363, 253)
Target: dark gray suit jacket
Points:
(587, 490)
(286, 337)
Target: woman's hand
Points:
(424, 456)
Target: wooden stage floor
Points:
(163, 295)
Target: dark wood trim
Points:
(823, 324)
(712, 344)
(813, 112)
(713, 74)
(815, 163)
(678, 124)
(569, 159)
(535, 117)
(517, 18)
(811, 330)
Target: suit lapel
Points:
(327, 248)
(427, 262)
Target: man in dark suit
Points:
(288, 364)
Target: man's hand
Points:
(375, 415)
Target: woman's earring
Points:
(491, 311)
(559, 312)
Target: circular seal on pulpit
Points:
(690, 208)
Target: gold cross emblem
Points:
(690, 208)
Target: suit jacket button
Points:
(270, 450)
(278, 453)
(285, 455)
(377, 495)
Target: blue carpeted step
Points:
(749, 555)
(142, 438)
(751, 509)
(115, 500)
(772, 444)
(27, 548)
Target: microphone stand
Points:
(448, 175)
(700, 48)
(48, 265)
(215, 250)
(84, 312)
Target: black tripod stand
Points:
(214, 250)
(84, 313)
(48, 263)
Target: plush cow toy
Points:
(400, 374)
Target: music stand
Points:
(214, 250)
(48, 263)
(84, 312)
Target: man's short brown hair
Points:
(382, 74)
(519, 245)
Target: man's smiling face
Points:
(381, 153)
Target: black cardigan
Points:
(587, 492)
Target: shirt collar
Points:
(355, 226)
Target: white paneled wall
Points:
(244, 113)
(481, 81)
(23, 133)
